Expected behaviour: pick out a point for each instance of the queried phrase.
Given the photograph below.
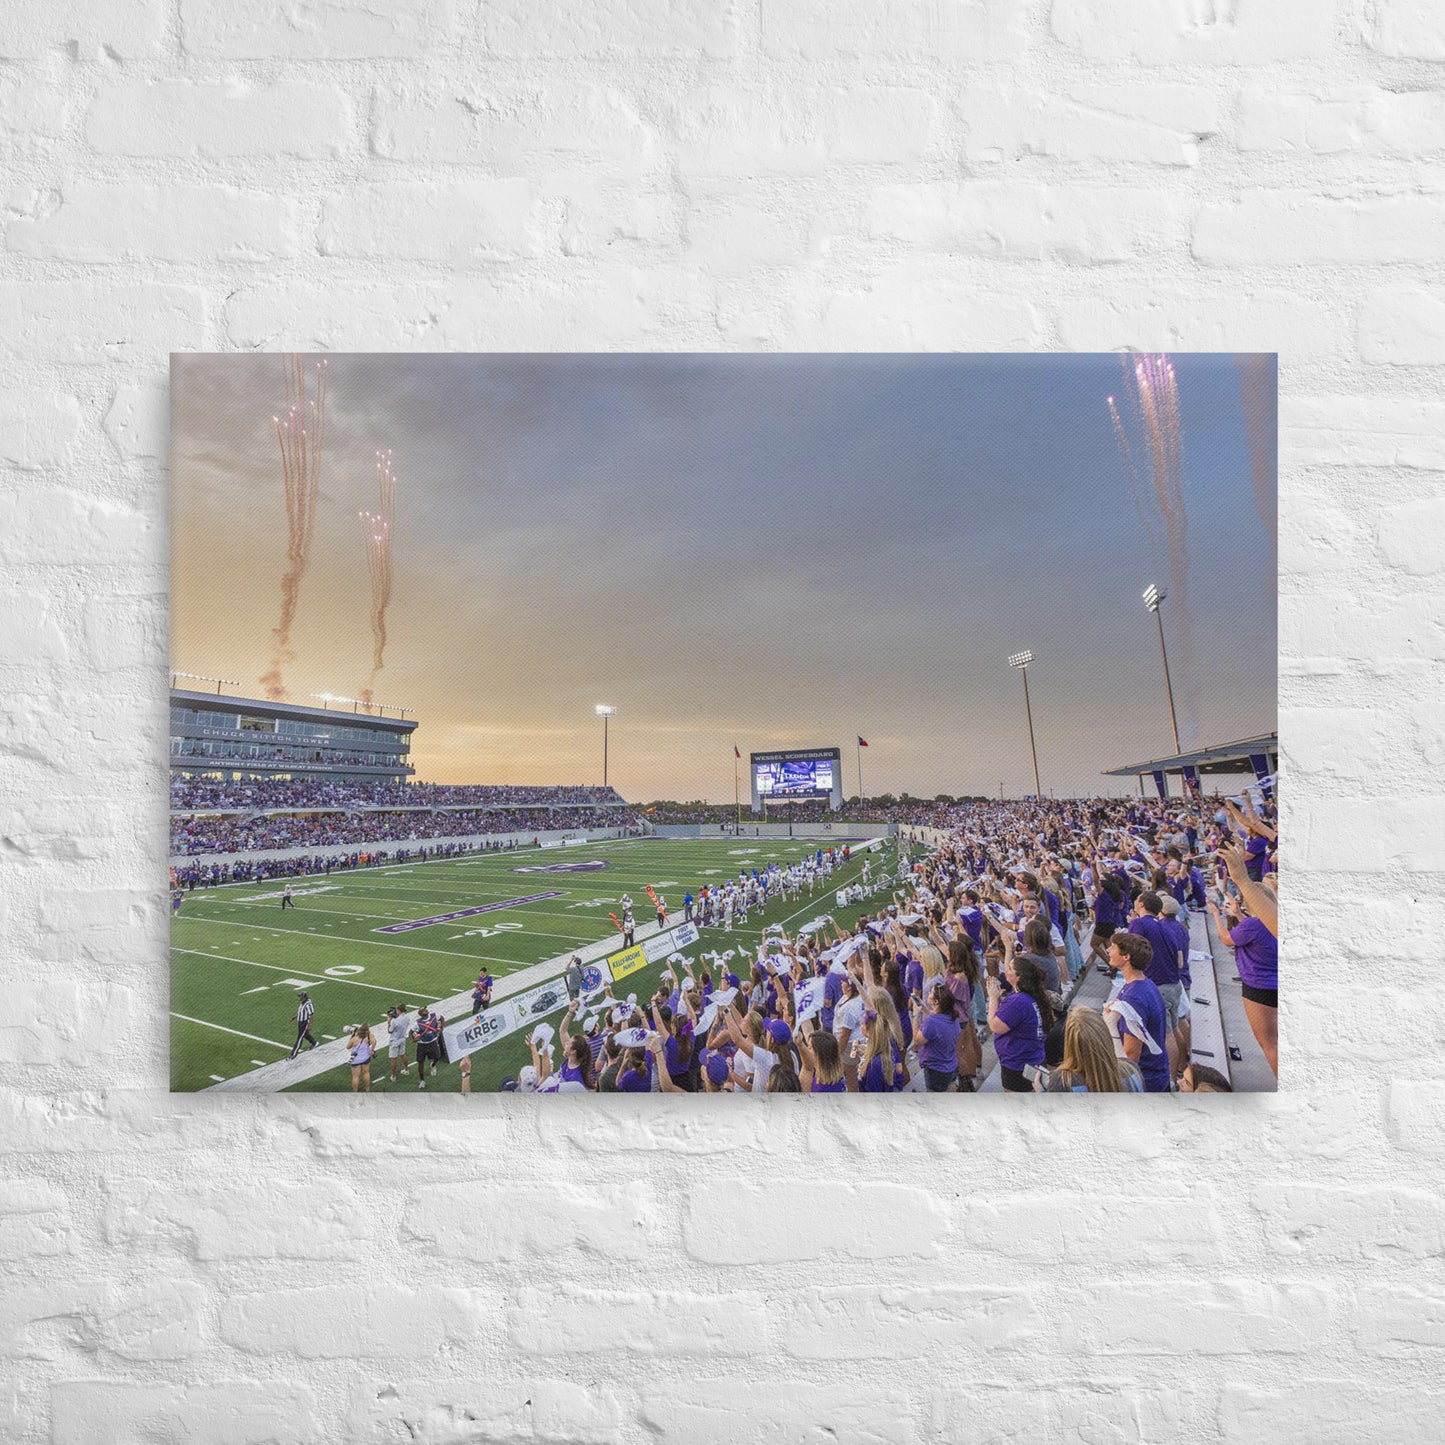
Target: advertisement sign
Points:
(527, 1008)
(626, 962)
(468, 1035)
(670, 941)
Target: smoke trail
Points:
(299, 436)
(1151, 395)
(376, 534)
(1259, 392)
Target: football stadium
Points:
(917, 855)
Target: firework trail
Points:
(299, 434)
(376, 533)
(1148, 429)
(1259, 393)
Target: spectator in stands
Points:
(1090, 1064)
(1019, 1020)
(1201, 1079)
(1138, 1012)
(936, 1026)
(1256, 956)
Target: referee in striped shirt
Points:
(305, 1012)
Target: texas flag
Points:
(862, 742)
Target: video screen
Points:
(804, 778)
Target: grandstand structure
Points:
(239, 739)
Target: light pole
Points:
(1152, 598)
(605, 713)
(1021, 661)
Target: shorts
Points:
(396, 1051)
(939, 1082)
(1267, 997)
(1104, 931)
(429, 1051)
(1171, 993)
(1014, 1081)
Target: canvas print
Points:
(657, 724)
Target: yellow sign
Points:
(628, 961)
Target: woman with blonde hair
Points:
(1090, 1065)
(882, 1069)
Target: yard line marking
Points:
(230, 958)
(219, 1078)
(260, 1063)
(363, 943)
(255, 1038)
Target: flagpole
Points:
(860, 769)
(737, 798)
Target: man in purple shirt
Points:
(1166, 964)
(1130, 954)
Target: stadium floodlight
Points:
(606, 713)
(1021, 661)
(201, 677)
(326, 698)
(1153, 596)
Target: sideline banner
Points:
(468, 1035)
(527, 1008)
(670, 941)
(628, 961)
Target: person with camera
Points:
(396, 1036)
(361, 1046)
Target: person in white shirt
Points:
(396, 1028)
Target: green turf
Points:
(236, 964)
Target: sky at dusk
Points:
(773, 551)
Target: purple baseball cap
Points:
(779, 1032)
(717, 1068)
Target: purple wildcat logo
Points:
(592, 867)
(461, 913)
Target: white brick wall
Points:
(965, 174)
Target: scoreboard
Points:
(797, 777)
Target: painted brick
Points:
(1334, 1408)
(571, 1321)
(127, 29)
(1411, 29)
(954, 31)
(1194, 32)
(1291, 228)
(132, 222)
(325, 30)
(466, 1221)
(462, 224)
(461, 1412)
(1321, 1223)
(1402, 326)
(34, 1220)
(735, 1224)
(352, 1320)
(1153, 123)
(107, 1412)
(85, 323)
(1076, 224)
(646, 27)
(36, 429)
(232, 118)
(55, 527)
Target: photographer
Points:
(361, 1047)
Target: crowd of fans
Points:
(239, 833)
(213, 795)
(915, 812)
(187, 877)
(986, 941)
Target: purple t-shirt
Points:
(1164, 966)
(1181, 939)
(912, 975)
(1148, 1003)
(633, 1081)
(1256, 954)
(1024, 1042)
(832, 992)
(939, 1048)
(971, 921)
(871, 1080)
(838, 1086)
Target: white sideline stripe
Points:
(328, 978)
(282, 1075)
(368, 943)
(255, 1038)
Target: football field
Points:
(362, 940)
